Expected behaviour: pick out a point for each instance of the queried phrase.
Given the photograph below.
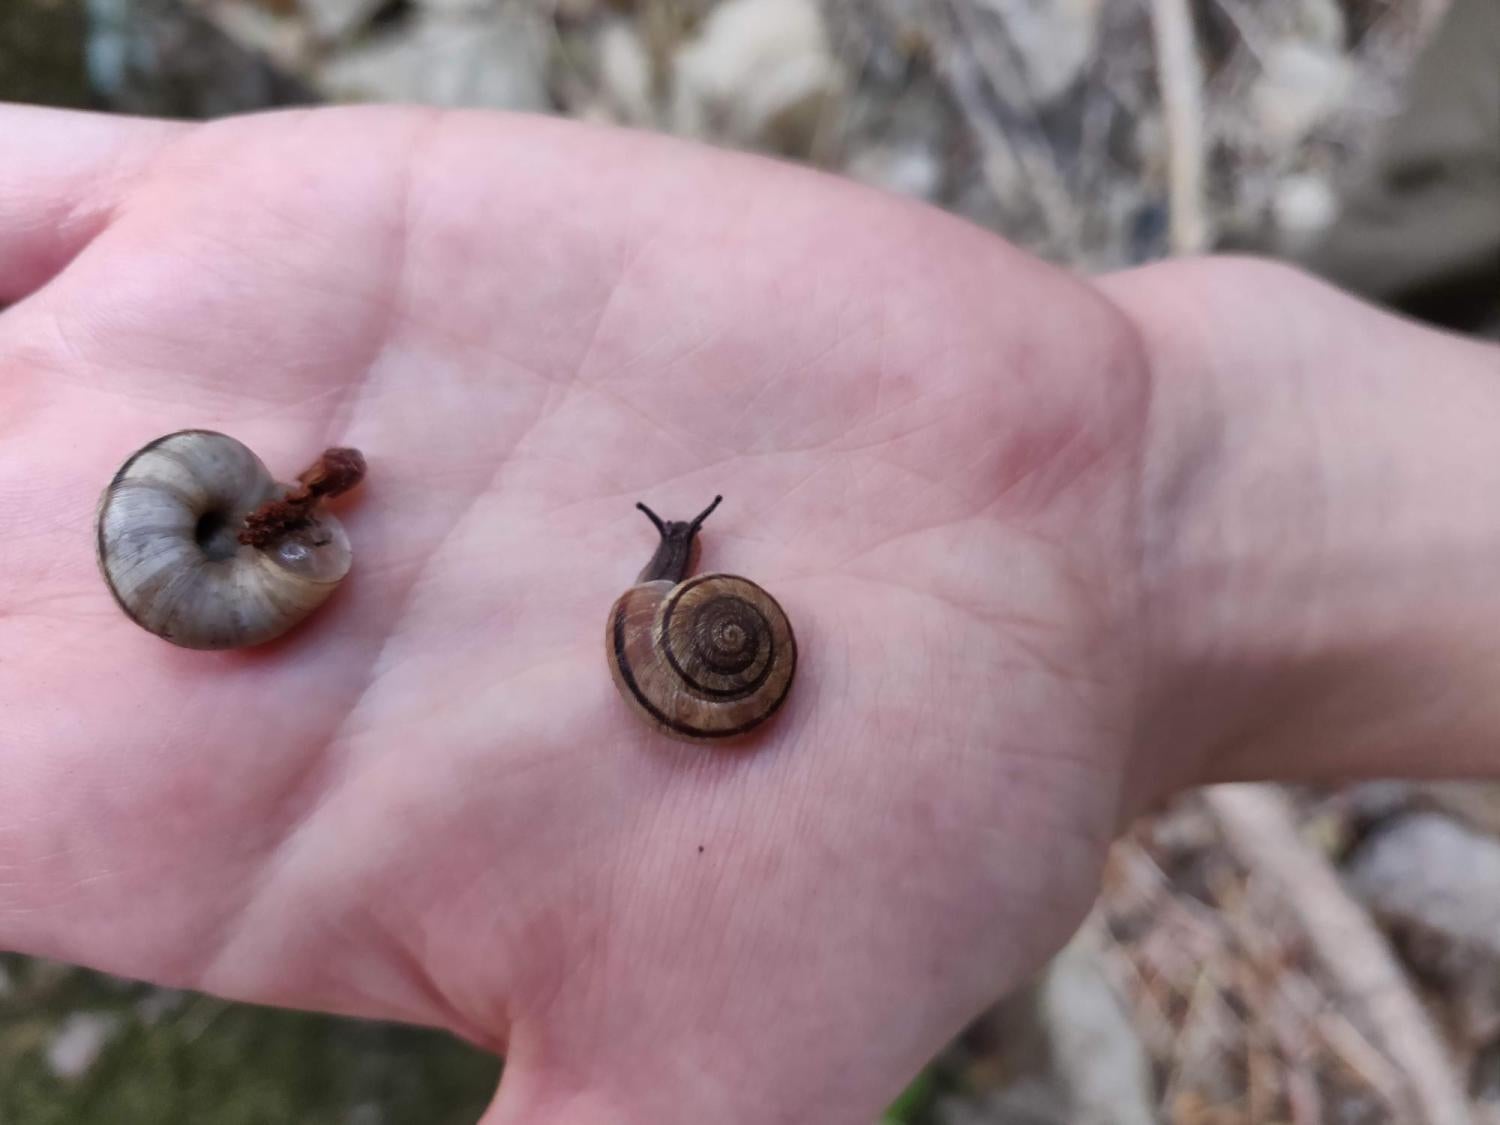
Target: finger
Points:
(62, 175)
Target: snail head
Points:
(675, 554)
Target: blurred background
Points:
(1259, 954)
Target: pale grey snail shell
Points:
(168, 546)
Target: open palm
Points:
(428, 803)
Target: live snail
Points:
(200, 545)
(700, 659)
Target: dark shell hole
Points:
(214, 535)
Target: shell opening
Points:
(215, 538)
(318, 551)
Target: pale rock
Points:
(1070, 1054)
(1436, 885)
(1426, 868)
(1053, 40)
(625, 74)
(494, 59)
(1096, 1053)
(1300, 87)
(1323, 22)
(108, 50)
(911, 169)
(759, 72)
(1303, 206)
(78, 1043)
(334, 20)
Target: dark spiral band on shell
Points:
(700, 649)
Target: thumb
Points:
(62, 175)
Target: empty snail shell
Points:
(699, 658)
(200, 545)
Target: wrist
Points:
(1319, 541)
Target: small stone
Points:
(1304, 206)
(1097, 1057)
(78, 1043)
(1053, 41)
(904, 169)
(625, 74)
(1428, 870)
(1436, 886)
(1301, 86)
(494, 59)
(1323, 22)
(761, 73)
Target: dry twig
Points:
(1259, 828)
(1006, 156)
(1181, 79)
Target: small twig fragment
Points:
(335, 472)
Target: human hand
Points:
(428, 803)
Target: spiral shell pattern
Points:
(168, 550)
(708, 658)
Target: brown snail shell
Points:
(701, 658)
(169, 546)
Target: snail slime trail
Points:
(201, 546)
(698, 658)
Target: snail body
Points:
(702, 658)
(177, 556)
